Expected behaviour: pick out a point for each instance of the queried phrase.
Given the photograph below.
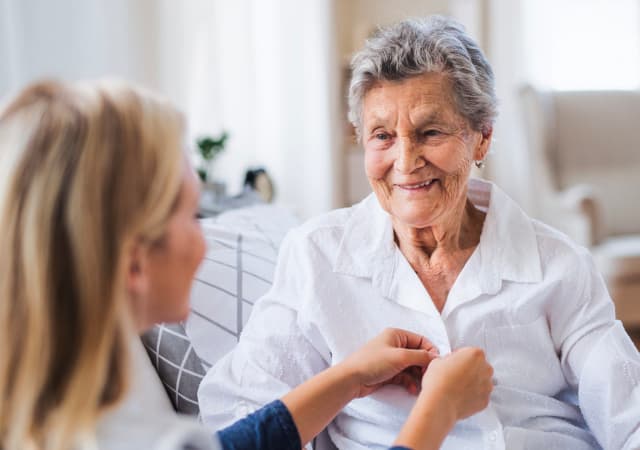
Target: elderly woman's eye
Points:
(382, 136)
(431, 133)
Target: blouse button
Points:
(243, 410)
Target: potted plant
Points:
(208, 148)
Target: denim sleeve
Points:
(270, 427)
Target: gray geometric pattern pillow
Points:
(177, 365)
(242, 248)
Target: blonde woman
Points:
(100, 240)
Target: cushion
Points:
(237, 270)
(242, 248)
(177, 365)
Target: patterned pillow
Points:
(177, 365)
(242, 248)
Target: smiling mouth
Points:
(417, 186)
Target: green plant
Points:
(208, 148)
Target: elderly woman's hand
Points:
(393, 357)
(463, 379)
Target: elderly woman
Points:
(447, 257)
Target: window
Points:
(582, 44)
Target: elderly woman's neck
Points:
(459, 231)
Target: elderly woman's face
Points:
(418, 149)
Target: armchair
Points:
(584, 152)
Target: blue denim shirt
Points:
(271, 427)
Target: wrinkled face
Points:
(171, 263)
(418, 149)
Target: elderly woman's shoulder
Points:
(557, 248)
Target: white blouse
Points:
(567, 375)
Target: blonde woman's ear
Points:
(137, 281)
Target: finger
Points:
(405, 380)
(407, 358)
(416, 372)
(415, 341)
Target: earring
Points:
(479, 163)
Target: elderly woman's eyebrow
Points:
(437, 117)
(376, 121)
(424, 119)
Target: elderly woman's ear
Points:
(485, 142)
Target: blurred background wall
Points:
(274, 72)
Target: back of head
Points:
(417, 46)
(85, 169)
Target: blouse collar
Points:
(508, 249)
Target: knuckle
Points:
(476, 353)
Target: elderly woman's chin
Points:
(414, 213)
(413, 209)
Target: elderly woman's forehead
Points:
(426, 92)
(428, 83)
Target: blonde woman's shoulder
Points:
(172, 433)
(145, 419)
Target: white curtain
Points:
(264, 70)
(508, 163)
(73, 39)
(278, 95)
(582, 44)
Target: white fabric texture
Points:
(567, 375)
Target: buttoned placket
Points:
(407, 290)
(396, 280)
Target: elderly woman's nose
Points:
(408, 157)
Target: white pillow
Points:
(242, 249)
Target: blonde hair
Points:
(86, 170)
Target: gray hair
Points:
(417, 46)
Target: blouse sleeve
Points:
(598, 358)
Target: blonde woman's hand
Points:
(393, 357)
(453, 388)
(463, 379)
